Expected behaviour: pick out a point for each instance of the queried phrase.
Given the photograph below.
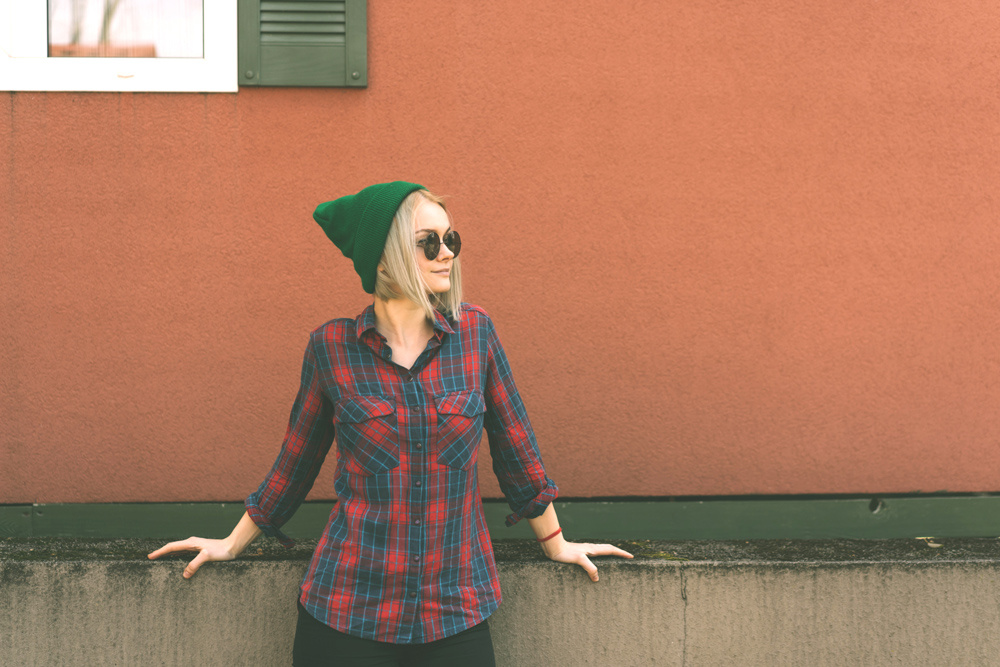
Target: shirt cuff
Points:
(265, 524)
(535, 507)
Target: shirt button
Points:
(416, 522)
(417, 483)
(420, 445)
(416, 559)
(413, 594)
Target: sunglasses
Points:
(432, 244)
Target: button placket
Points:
(418, 431)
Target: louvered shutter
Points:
(303, 43)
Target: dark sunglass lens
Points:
(454, 242)
(432, 245)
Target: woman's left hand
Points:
(580, 553)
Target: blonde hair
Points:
(399, 276)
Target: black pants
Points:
(319, 645)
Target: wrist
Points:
(553, 546)
(237, 542)
(245, 532)
(230, 545)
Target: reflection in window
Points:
(126, 28)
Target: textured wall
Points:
(746, 248)
(678, 604)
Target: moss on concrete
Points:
(60, 549)
(786, 551)
(27, 549)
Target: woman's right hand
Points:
(245, 532)
(208, 550)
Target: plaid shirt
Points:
(406, 556)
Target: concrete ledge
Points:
(758, 603)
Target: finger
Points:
(590, 568)
(183, 545)
(193, 566)
(608, 550)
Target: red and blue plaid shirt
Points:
(406, 556)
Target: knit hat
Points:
(359, 224)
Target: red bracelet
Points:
(546, 539)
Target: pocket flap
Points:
(468, 403)
(362, 408)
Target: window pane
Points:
(126, 28)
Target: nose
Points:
(444, 253)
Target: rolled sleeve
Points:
(307, 441)
(517, 462)
(264, 523)
(535, 507)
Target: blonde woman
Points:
(404, 573)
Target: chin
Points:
(438, 285)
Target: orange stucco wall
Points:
(738, 249)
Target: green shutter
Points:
(303, 43)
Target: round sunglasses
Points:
(432, 244)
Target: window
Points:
(118, 45)
(129, 29)
(181, 45)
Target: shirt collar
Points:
(441, 323)
(366, 321)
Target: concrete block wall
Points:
(691, 604)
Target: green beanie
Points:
(359, 224)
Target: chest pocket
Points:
(367, 434)
(459, 428)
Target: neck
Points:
(401, 321)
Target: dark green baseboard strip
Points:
(722, 519)
(15, 520)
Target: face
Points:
(430, 217)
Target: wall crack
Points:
(684, 619)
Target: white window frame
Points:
(25, 65)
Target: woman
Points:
(404, 572)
